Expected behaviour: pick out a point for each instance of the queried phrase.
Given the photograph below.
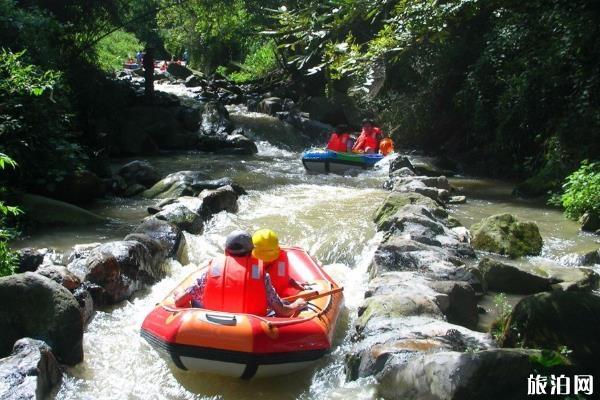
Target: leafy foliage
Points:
(115, 48)
(581, 191)
(8, 259)
(35, 122)
(258, 63)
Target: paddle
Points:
(313, 295)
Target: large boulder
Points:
(140, 172)
(119, 269)
(323, 109)
(590, 222)
(195, 80)
(502, 277)
(270, 106)
(37, 307)
(555, 320)
(167, 234)
(505, 234)
(214, 201)
(30, 372)
(500, 374)
(179, 71)
(45, 211)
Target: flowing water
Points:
(328, 215)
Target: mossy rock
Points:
(556, 319)
(42, 210)
(505, 234)
(395, 201)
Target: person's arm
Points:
(281, 309)
(194, 292)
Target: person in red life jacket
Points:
(368, 141)
(339, 140)
(243, 274)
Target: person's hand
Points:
(299, 304)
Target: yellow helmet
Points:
(266, 245)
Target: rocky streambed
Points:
(417, 292)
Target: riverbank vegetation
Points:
(501, 88)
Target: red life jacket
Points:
(338, 141)
(235, 284)
(279, 272)
(367, 138)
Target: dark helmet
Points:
(238, 243)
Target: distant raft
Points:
(247, 345)
(325, 161)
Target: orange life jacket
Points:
(338, 141)
(236, 284)
(386, 146)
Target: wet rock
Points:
(77, 259)
(428, 169)
(140, 172)
(270, 106)
(167, 234)
(394, 341)
(460, 304)
(457, 200)
(589, 258)
(134, 190)
(505, 234)
(590, 222)
(29, 259)
(80, 188)
(215, 120)
(179, 71)
(45, 211)
(556, 319)
(399, 173)
(498, 374)
(501, 277)
(394, 202)
(61, 275)
(30, 372)
(227, 144)
(86, 303)
(177, 184)
(37, 307)
(195, 80)
(185, 213)
(321, 108)
(119, 269)
(400, 163)
(527, 279)
(217, 200)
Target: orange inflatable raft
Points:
(246, 345)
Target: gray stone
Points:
(30, 372)
(505, 234)
(140, 172)
(167, 234)
(29, 259)
(45, 211)
(37, 307)
(61, 275)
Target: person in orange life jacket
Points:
(339, 140)
(368, 141)
(238, 244)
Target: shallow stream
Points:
(328, 215)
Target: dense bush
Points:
(114, 49)
(36, 124)
(257, 65)
(8, 259)
(582, 192)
